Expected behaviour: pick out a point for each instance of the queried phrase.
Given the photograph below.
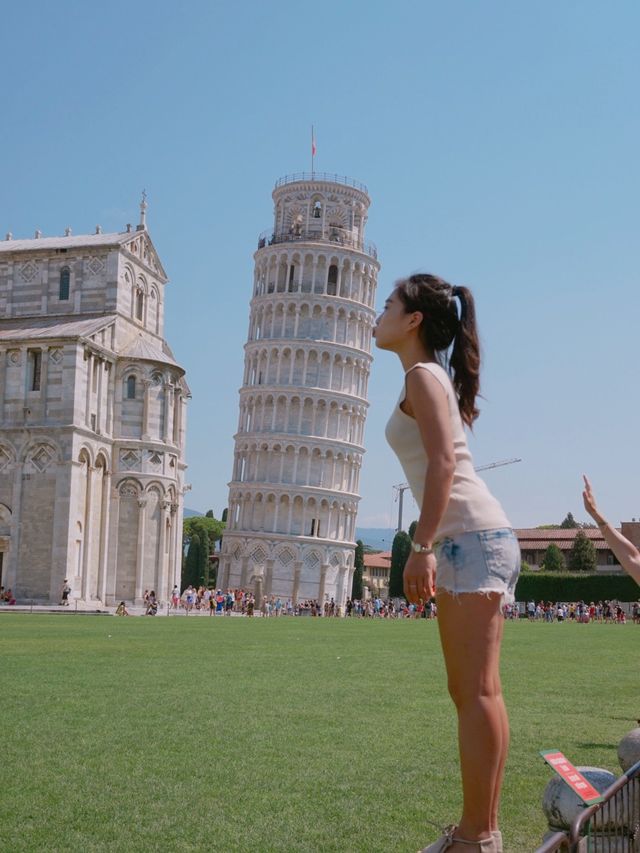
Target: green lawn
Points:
(290, 735)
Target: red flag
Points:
(313, 143)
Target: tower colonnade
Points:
(293, 495)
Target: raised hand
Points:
(589, 500)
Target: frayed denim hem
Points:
(506, 597)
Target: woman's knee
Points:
(466, 692)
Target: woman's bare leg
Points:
(470, 627)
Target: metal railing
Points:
(613, 824)
(557, 841)
(335, 236)
(610, 826)
(327, 177)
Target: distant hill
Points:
(189, 513)
(380, 538)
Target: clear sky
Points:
(499, 142)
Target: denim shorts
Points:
(483, 561)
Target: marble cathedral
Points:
(92, 420)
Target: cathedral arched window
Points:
(65, 278)
(139, 303)
(131, 388)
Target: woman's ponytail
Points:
(465, 357)
(445, 330)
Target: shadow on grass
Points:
(593, 745)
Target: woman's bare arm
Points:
(627, 553)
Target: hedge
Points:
(566, 586)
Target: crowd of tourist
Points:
(576, 611)
(217, 602)
(242, 602)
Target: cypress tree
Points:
(412, 529)
(400, 551)
(192, 563)
(358, 563)
(203, 563)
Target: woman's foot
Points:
(452, 844)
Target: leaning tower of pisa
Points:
(293, 496)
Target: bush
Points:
(564, 586)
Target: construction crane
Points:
(401, 488)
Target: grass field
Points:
(279, 735)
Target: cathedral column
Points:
(166, 409)
(87, 534)
(44, 370)
(161, 570)
(297, 571)
(11, 577)
(104, 527)
(101, 364)
(87, 410)
(111, 388)
(175, 563)
(111, 557)
(4, 355)
(323, 582)
(146, 384)
(142, 518)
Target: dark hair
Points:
(441, 329)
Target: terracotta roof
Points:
(537, 539)
(562, 544)
(557, 533)
(378, 561)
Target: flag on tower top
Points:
(313, 142)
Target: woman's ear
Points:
(416, 318)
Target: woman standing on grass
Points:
(464, 550)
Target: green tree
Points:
(208, 513)
(569, 522)
(582, 557)
(206, 528)
(358, 563)
(412, 529)
(553, 560)
(225, 513)
(204, 566)
(400, 551)
(191, 568)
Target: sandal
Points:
(484, 845)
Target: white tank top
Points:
(471, 505)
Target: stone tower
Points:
(293, 496)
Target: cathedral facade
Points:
(92, 420)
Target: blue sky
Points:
(499, 142)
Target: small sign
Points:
(574, 779)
